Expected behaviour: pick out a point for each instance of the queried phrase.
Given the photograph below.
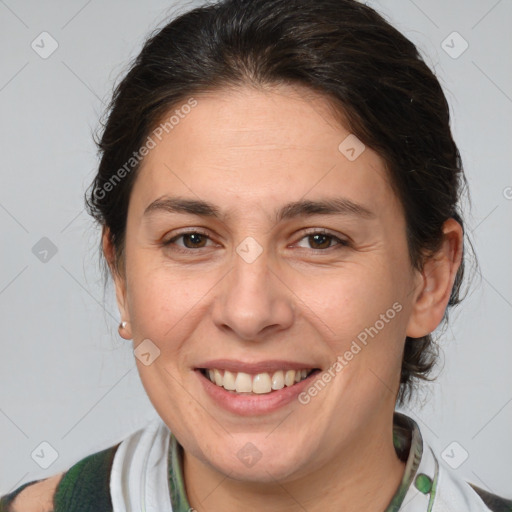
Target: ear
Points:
(436, 283)
(119, 281)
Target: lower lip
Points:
(253, 404)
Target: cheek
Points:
(348, 300)
(164, 304)
(360, 313)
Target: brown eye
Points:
(194, 240)
(191, 240)
(318, 240)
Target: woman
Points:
(278, 192)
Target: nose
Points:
(252, 302)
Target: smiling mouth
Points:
(260, 383)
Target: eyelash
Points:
(340, 243)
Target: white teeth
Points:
(218, 377)
(261, 383)
(229, 381)
(278, 380)
(243, 383)
(289, 378)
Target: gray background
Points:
(67, 379)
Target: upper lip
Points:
(256, 367)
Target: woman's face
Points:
(257, 245)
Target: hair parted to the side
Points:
(341, 49)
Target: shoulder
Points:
(36, 496)
(84, 485)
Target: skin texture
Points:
(37, 497)
(250, 152)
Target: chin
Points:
(257, 458)
(264, 471)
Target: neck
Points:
(367, 479)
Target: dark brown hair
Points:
(340, 49)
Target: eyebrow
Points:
(302, 208)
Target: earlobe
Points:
(119, 283)
(438, 276)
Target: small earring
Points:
(121, 327)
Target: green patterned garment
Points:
(85, 487)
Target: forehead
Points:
(251, 145)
